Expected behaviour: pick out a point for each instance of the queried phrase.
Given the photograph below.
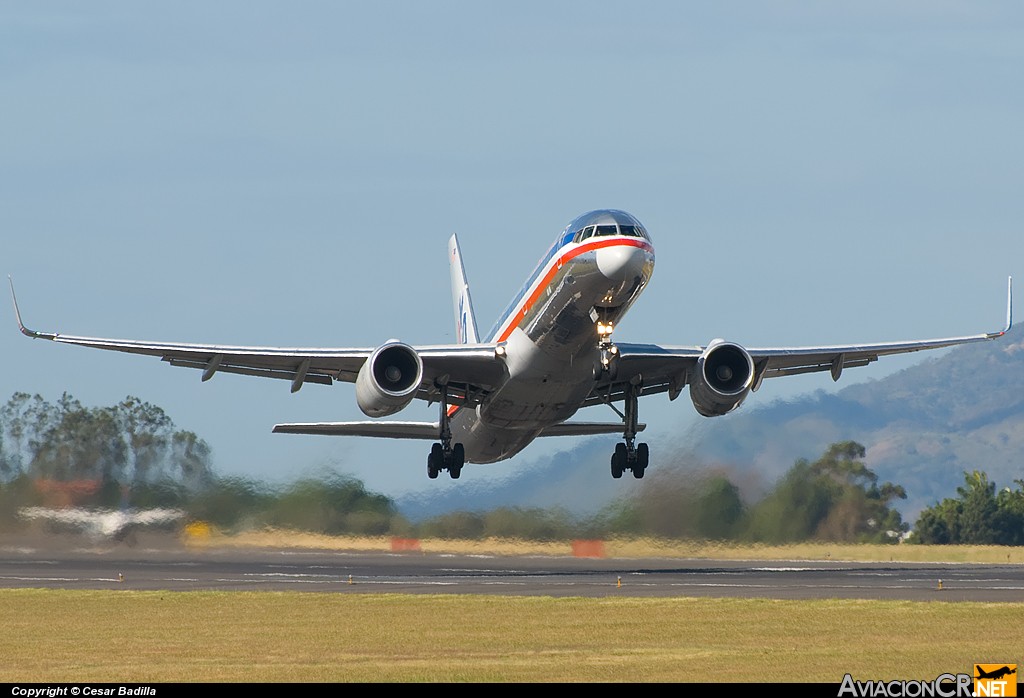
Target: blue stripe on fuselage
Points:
(564, 239)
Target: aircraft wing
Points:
(586, 428)
(385, 429)
(470, 370)
(666, 368)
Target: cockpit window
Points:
(633, 231)
(626, 229)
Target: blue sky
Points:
(288, 174)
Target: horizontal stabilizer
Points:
(428, 431)
(587, 428)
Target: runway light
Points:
(940, 585)
(120, 577)
(350, 579)
(619, 584)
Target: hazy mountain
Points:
(922, 427)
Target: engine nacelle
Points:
(388, 380)
(722, 378)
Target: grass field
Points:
(633, 548)
(128, 636)
(131, 636)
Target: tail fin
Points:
(465, 320)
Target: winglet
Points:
(1009, 309)
(21, 326)
(465, 320)
(1009, 303)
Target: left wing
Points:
(470, 371)
(667, 369)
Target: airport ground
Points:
(246, 610)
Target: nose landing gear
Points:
(608, 353)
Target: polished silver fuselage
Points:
(552, 345)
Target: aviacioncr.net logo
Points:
(944, 686)
(995, 680)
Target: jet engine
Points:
(388, 380)
(722, 378)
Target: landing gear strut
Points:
(608, 353)
(628, 455)
(443, 455)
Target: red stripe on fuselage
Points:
(557, 264)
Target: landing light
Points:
(604, 328)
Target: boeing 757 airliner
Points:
(549, 354)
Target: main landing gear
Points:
(443, 455)
(628, 456)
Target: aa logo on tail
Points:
(995, 680)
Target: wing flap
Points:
(587, 428)
(428, 431)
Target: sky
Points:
(288, 174)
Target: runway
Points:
(182, 569)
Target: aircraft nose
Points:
(621, 262)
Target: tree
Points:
(837, 498)
(132, 445)
(978, 516)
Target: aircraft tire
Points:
(643, 456)
(457, 458)
(618, 460)
(434, 460)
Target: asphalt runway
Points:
(180, 569)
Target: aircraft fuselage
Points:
(550, 334)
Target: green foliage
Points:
(515, 523)
(978, 516)
(836, 498)
(464, 525)
(230, 503)
(707, 506)
(131, 445)
(333, 505)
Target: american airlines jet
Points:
(549, 354)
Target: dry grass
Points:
(629, 548)
(129, 636)
(350, 636)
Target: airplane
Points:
(548, 355)
(104, 523)
(995, 674)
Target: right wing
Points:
(660, 368)
(470, 371)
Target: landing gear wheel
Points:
(643, 456)
(458, 459)
(435, 459)
(618, 460)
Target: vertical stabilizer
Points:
(465, 320)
